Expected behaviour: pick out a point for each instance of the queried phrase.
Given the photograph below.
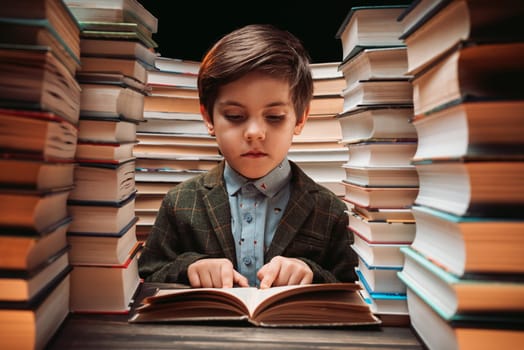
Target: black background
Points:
(186, 29)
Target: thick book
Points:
(367, 93)
(319, 128)
(455, 297)
(381, 176)
(380, 197)
(330, 304)
(381, 279)
(124, 31)
(33, 78)
(34, 174)
(118, 48)
(466, 20)
(391, 308)
(104, 182)
(472, 188)
(178, 65)
(377, 123)
(470, 72)
(188, 105)
(31, 325)
(382, 231)
(381, 153)
(24, 285)
(40, 134)
(468, 130)
(101, 248)
(369, 26)
(498, 332)
(104, 152)
(104, 101)
(28, 251)
(173, 123)
(468, 245)
(31, 211)
(131, 11)
(174, 164)
(169, 78)
(114, 130)
(34, 32)
(130, 67)
(116, 286)
(112, 217)
(380, 63)
(383, 255)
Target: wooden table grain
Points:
(104, 332)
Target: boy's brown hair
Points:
(262, 48)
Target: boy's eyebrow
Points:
(238, 104)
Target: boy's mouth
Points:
(254, 154)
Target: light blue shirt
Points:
(256, 209)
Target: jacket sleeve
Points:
(159, 262)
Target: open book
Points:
(330, 304)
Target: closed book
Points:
(454, 297)
(474, 333)
(33, 78)
(104, 152)
(35, 174)
(472, 188)
(112, 217)
(114, 130)
(28, 251)
(24, 285)
(100, 248)
(465, 20)
(39, 135)
(116, 286)
(104, 182)
(380, 197)
(381, 279)
(381, 176)
(130, 67)
(468, 130)
(377, 93)
(111, 101)
(118, 48)
(382, 231)
(385, 255)
(32, 211)
(381, 153)
(369, 26)
(465, 245)
(470, 72)
(178, 65)
(375, 123)
(31, 325)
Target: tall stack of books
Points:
(113, 74)
(380, 181)
(317, 149)
(173, 141)
(465, 268)
(39, 112)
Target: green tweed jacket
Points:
(194, 222)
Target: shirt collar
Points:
(269, 185)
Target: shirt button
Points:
(246, 260)
(249, 218)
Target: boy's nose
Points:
(255, 131)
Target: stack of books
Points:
(380, 181)
(464, 271)
(173, 141)
(317, 150)
(113, 79)
(39, 113)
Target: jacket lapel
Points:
(218, 211)
(300, 205)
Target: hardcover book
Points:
(331, 304)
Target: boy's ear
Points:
(207, 120)
(300, 124)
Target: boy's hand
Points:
(281, 271)
(214, 273)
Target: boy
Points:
(256, 219)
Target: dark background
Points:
(187, 28)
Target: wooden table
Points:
(105, 332)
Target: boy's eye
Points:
(275, 118)
(235, 118)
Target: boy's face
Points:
(254, 123)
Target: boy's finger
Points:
(226, 275)
(267, 275)
(239, 279)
